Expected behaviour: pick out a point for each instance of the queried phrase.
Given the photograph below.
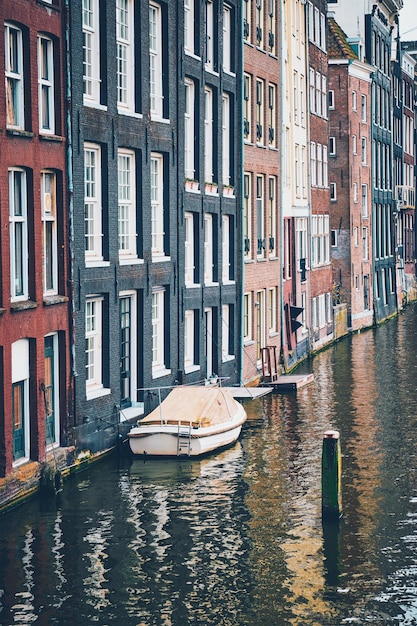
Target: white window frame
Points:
(94, 345)
(155, 60)
(189, 260)
(227, 39)
(189, 129)
(15, 105)
(333, 192)
(226, 139)
(157, 205)
(272, 312)
(210, 39)
(354, 101)
(91, 51)
(260, 216)
(125, 55)
(159, 332)
(331, 99)
(46, 85)
(52, 403)
(313, 164)
(354, 144)
(189, 341)
(247, 107)
(208, 135)
(363, 151)
(332, 146)
(247, 317)
(208, 249)
(226, 249)
(126, 175)
(355, 193)
(247, 214)
(93, 213)
(49, 219)
(272, 130)
(133, 350)
(364, 196)
(260, 112)
(189, 30)
(20, 374)
(226, 356)
(18, 227)
(272, 201)
(363, 108)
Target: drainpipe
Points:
(68, 108)
(242, 167)
(281, 185)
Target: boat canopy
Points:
(199, 406)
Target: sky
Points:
(408, 20)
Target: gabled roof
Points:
(338, 46)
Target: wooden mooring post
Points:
(331, 476)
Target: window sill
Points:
(211, 284)
(131, 412)
(248, 342)
(192, 285)
(23, 305)
(54, 299)
(19, 462)
(228, 357)
(160, 259)
(91, 104)
(48, 5)
(192, 55)
(161, 120)
(190, 369)
(129, 113)
(51, 137)
(159, 373)
(96, 263)
(229, 282)
(97, 392)
(19, 132)
(130, 261)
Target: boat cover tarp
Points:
(201, 406)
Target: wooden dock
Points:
(250, 393)
(290, 382)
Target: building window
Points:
(354, 102)
(259, 22)
(272, 116)
(333, 196)
(210, 36)
(364, 200)
(91, 51)
(272, 28)
(319, 110)
(227, 39)
(208, 135)
(365, 250)
(355, 236)
(189, 32)
(312, 90)
(190, 341)
(92, 202)
(158, 333)
(127, 204)
(332, 146)
(260, 217)
(208, 249)
(320, 240)
(331, 99)
(247, 317)
(155, 60)
(247, 20)
(364, 159)
(125, 54)
(128, 348)
(272, 242)
(157, 204)
(93, 344)
(334, 238)
(18, 235)
(354, 144)
(319, 165)
(49, 217)
(313, 164)
(325, 168)
(247, 215)
(14, 77)
(363, 108)
(227, 248)
(260, 87)
(324, 96)
(190, 250)
(20, 401)
(227, 332)
(272, 313)
(189, 128)
(355, 192)
(46, 85)
(226, 139)
(247, 88)
(51, 389)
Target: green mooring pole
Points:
(331, 476)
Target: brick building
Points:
(155, 129)
(34, 319)
(350, 171)
(321, 280)
(261, 183)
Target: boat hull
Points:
(160, 443)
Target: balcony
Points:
(405, 197)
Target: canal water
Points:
(237, 538)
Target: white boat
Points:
(191, 421)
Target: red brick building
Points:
(321, 305)
(261, 215)
(350, 178)
(34, 313)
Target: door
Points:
(49, 391)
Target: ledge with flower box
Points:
(211, 188)
(228, 191)
(192, 185)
